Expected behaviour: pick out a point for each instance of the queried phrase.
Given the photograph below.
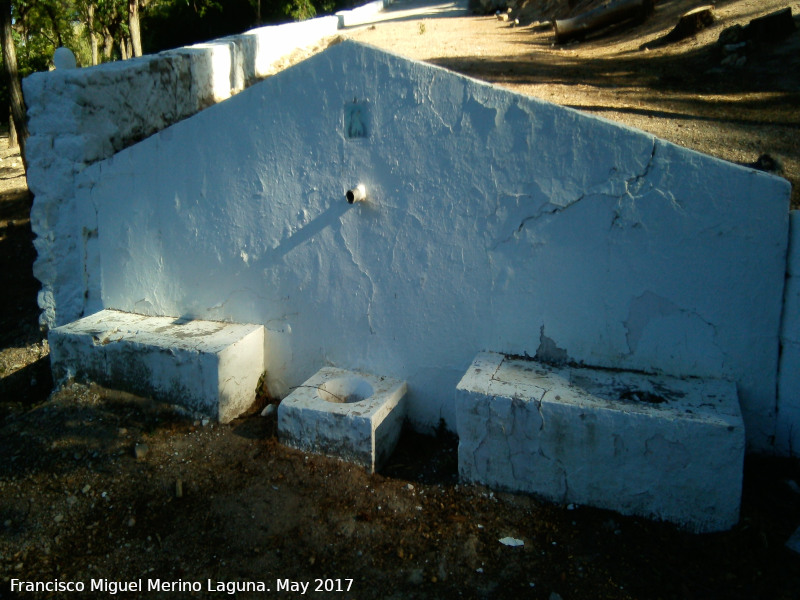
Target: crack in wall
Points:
(365, 273)
(548, 208)
(632, 187)
(538, 402)
(635, 183)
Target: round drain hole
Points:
(345, 390)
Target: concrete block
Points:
(359, 15)
(639, 444)
(345, 414)
(207, 366)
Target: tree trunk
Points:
(600, 17)
(92, 34)
(108, 43)
(133, 21)
(12, 130)
(123, 49)
(12, 77)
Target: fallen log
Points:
(598, 18)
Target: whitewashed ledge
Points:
(645, 445)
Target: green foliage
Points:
(300, 10)
(41, 26)
(175, 23)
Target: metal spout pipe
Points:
(357, 194)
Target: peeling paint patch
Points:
(549, 352)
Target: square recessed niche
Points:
(356, 120)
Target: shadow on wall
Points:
(330, 218)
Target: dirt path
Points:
(680, 92)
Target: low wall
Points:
(77, 117)
(358, 15)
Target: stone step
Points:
(207, 366)
(646, 445)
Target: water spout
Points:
(357, 194)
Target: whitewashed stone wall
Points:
(495, 221)
(788, 435)
(77, 117)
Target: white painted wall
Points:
(495, 222)
(788, 434)
(77, 117)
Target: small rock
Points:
(72, 500)
(7, 523)
(509, 541)
(131, 522)
(122, 431)
(416, 576)
(58, 518)
(86, 489)
(732, 35)
(204, 422)
(140, 451)
(554, 596)
(410, 487)
(268, 411)
(732, 48)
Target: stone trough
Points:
(207, 366)
(350, 415)
(638, 444)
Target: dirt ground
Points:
(100, 485)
